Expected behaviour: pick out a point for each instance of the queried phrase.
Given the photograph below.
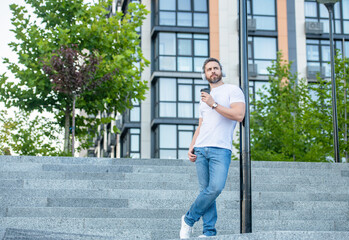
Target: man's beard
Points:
(215, 79)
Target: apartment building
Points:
(178, 35)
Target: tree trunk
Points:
(66, 128)
(73, 128)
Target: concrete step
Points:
(133, 224)
(13, 169)
(172, 177)
(300, 196)
(152, 194)
(300, 225)
(65, 167)
(284, 235)
(113, 193)
(259, 168)
(153, 204)
(138, 203)
(93, 161)
(105, 184)
(121, 175)
(224, 214)
(168, 185)
(271, 179)
(95, 212)
(15, 234)
(79, 234)
(234, 169)
(146, 165)
(165, 162)
(299, 165)
(18, 175)
(81, 224)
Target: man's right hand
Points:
(191, 155)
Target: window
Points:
(318, 53)
(172, 141)
(131, 143)
(134, 114)
(182, 13)
(346, 49)
(255, 87)
(262, 59)
(264, 12)
(177, 97)
(183, 52)
(258, 55)
(315, 12)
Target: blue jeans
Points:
(212, 165)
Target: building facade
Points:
(178, 35)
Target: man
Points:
(211, 146)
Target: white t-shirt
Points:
(216, 130)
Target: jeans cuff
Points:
(187, 221)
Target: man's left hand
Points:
(207, 98)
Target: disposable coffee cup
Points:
(205, 90)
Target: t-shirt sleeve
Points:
(236, 95)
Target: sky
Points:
(6, 35)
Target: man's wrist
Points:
(214, 105)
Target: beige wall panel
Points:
(229, 39)
(229, 46)
(301, 39)
(146, 104)
(282, 28)
(214, 28)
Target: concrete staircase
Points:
(90, 198)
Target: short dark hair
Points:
(210, 60)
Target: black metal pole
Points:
(245, 153)
(329, 7)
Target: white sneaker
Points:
(203, 236)
(186, 230)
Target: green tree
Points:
(24, 134)
(320, 109)
(277, 132)
(292, 119)
(73, 73)
(64, 23)
(6, 127)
